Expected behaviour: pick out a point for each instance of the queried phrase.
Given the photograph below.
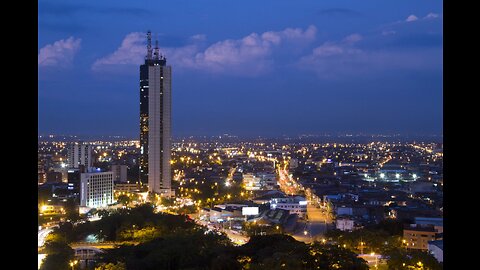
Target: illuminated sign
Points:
(249, 211)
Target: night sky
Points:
(247, 68)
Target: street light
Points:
(376, 259)
(73, 263)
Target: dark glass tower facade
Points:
(143, 160)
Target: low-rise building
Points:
(127, 187)
(277, 216)
(437, 223)
(267, 196)
(295, 205)
(345, 223)
(418, 236)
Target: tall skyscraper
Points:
(80, 155)
(155, 121)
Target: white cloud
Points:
(431, 16)
(130, 52)
(411, 18)
(388, 32)
(251, 54)
(199, 37)
(353, 38)
(335, 60)
(60, 53)
(248, 55)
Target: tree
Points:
(123, 199)
(71, 209)
(189, 250)
(59, 255)
(407, 259)
(168, 201)
(334, 257)
(112, 266)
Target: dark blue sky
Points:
(249, 68)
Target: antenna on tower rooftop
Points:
(156, 53)
(149, 45)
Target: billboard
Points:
(249, 211)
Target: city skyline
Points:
(372, 68)
(279, 135)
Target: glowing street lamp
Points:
(73, 263)
(376, 259)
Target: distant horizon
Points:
(233, 137)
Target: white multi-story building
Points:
(251, 181)
(96, 189)
(345, 224)
(295, 205)
(79, 154)
(260, 180)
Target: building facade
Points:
(96, 189)
(417, 236)
(295, 205)
(127, 187)
(155, 121)
(119, 173)
(344, 224)
(79, 155)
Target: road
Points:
(41, 256)
(287, 184)
(318, 219)
(100, 245)
(42, 234)
(233, 235)
(236, 237)
(372, 260)
(314, 228)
